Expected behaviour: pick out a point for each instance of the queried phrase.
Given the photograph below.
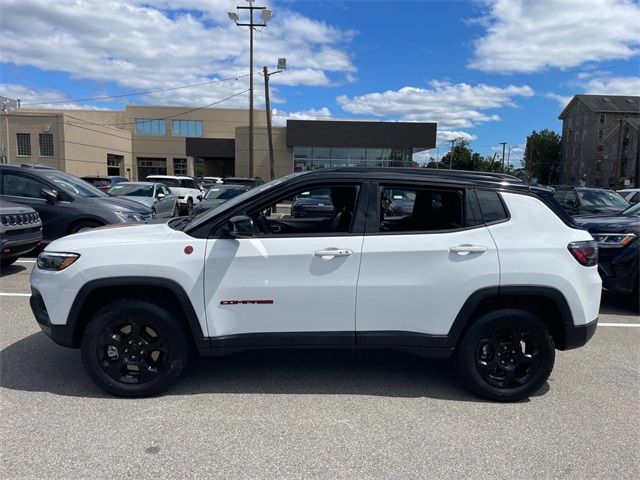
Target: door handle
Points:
(333, 252)
(467, 249)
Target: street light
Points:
(282, 65)
(235, 17)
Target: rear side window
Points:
(493, 210)
(187, 184)
(405, 209)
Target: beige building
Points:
(145, 140)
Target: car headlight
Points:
(56, 261)
(127, 217)
(613, 240)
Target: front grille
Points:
(20, 219)
(22, 231)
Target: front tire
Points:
(134, 348)
(84, 226)
(506, 355)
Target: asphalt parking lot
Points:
(315, 414)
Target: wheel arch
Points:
(77, 221)
(97, 293)
(548, 303)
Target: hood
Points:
(120, 203)
(111, 234)
(10, 207)
(146, 201)
(609, 223)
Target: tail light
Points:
(586, 253)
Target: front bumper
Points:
(577, 336)
(20, 244)
(61, 334)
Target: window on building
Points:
(114, 164)
(151, 126)
(584, 134)
(600, 134)
(186, 128)
(577, 135)
(24, 144)
(311, 158)
(179, 166)
(46, 145)
(602, 117)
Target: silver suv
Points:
(20, 231)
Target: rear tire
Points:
(506, 355)
(5, 262)
(134, 348)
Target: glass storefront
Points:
(311, 158)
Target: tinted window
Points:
(602, 198)
(132, 190)
(420, 210)
(567, 198)
(72, 184)
(188, 183)
(20, 186)
(169, 182)
(491, 205)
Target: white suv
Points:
(479, 267)
(185, 188)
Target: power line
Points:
(133, 94)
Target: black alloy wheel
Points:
(132, 351)
(135, 347)
(506, 355)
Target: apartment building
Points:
(600, 140)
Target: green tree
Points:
(542, 156)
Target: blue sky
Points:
(487, 70)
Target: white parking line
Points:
(15, 294)
(619, 325)
(25, 261)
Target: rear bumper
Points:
(577, 336)
(61, 334)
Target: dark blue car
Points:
(315, 203)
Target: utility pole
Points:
(266, 16)
(504, 144)
(637, 179)
(282, 65)
(453, 143)
(508, 157)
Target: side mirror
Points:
(160, 196)
(241, 226)
(49, 195)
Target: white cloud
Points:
(452, 106)
(531, 35)
(603, 84)
(280, 118)
(27, 95)
(143, 45)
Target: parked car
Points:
(66, 204)
(104, 183)
(20, 231)
(186, 189)
(631, 195)
(486, 269)
(218, 194)
(617, 237)
(208, 182)
(313, 203)
(156, 196)
(587, 201)
(250, 181)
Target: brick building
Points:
(600, 140)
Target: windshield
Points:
(169, 182)
(602, 198)
(220, 193)
(73, 185)
(207, 214)
(132, 190)
(633, 211)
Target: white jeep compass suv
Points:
(185, 188)
(476, 266)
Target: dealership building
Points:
(145, 140)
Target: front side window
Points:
(114, 164)
(24, 144)
(186, 128)
(46, 145)
(320, 210)
(19, 186)
(72, 184)
(151, 126)
(420, 209)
